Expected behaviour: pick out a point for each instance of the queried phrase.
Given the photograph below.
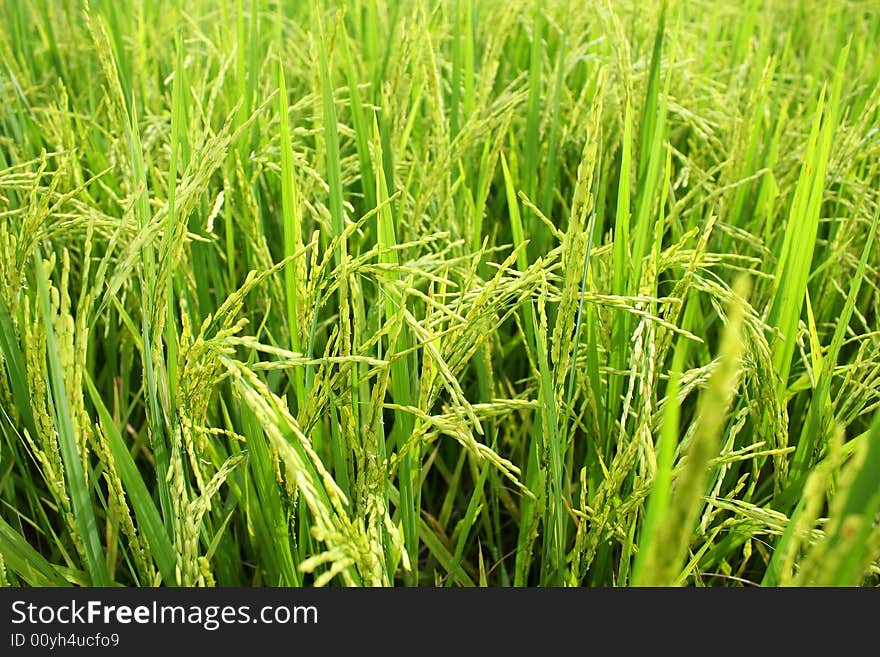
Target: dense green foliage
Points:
(439, 292)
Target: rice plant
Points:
(439, 293)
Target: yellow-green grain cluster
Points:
(439, 292)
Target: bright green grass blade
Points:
(516, 225)
(457, 65)
(437, 547)
(157, 430)
(850, 545)
(671, 527)
(533, 112)
(464, 527)
(79, 491)
(15, 369)
(622, 272)
(552, 170)
(556, 521)
(401, 379)
(292, 223)
(535, 476)
(796, 255)
(810, 436)
(25, 561)
(360, 124)
(138, 494)
(331, 144)
(652, 120)
(818, 423)
(177, 119)
(468, 64)
(651, 160)
(661, 491)
(452, 492)
(269, 504)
